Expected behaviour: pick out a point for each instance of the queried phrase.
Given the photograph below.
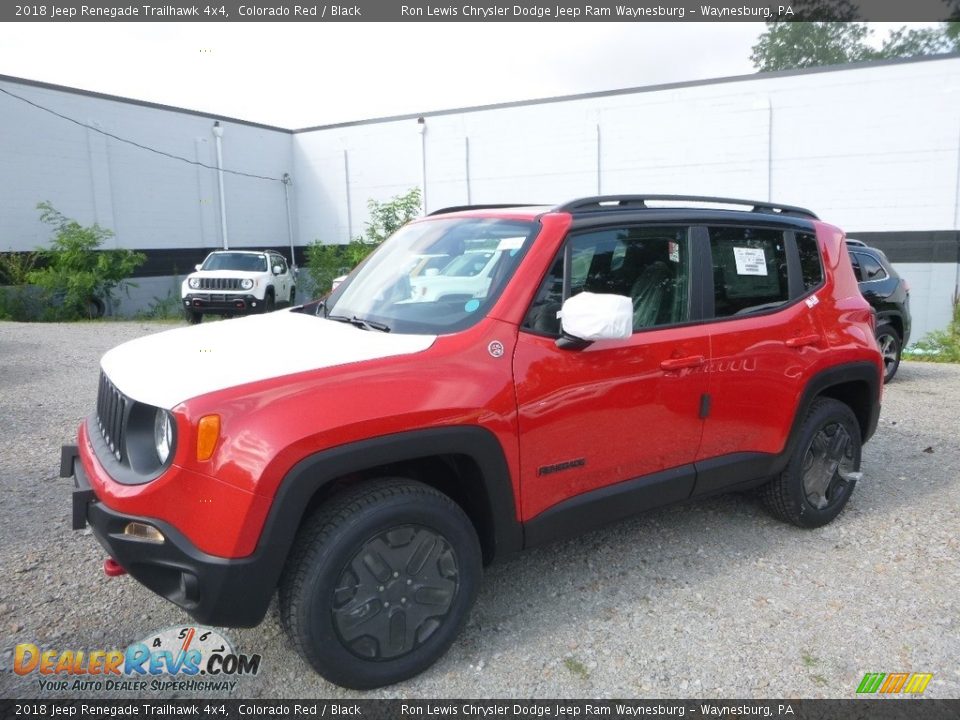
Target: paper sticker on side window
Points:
(750, 261)
(674, 250)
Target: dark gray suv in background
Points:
(889, 294)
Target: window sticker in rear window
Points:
(750, 261)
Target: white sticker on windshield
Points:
(750, 261)
(514, 243)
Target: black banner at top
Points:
(479, 10)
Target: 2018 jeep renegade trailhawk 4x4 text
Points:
(371, 452)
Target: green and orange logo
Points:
(893, 683)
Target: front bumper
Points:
(214, 590)
(215, 302)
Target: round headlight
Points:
(246, 283)
(194, 283)
(162, 434)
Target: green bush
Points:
(74, 272)
(326, 262)
(168, 307)
(939, 345)
(16, 266)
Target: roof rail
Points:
(492, 206)
(627, 202)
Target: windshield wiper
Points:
(361, 323)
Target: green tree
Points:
(74, 272)
(326, 262)
(907, 42)
(811, 43)
(790, 45)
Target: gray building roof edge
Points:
(133, 101)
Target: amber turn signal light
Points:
(208, 432)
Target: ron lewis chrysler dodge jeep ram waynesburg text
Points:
(373, 450)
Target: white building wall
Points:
(148, 200)
(872, 148)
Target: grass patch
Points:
(576, 667)
(941, 346)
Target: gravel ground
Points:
(712, 598)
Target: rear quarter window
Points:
(810, 263)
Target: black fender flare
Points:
(315, 471)
(820, 384)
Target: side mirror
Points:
(277, 269)
(197, 267)
(588, 317)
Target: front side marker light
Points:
(208, 433)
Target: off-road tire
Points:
(888, 339)
(786, 496)
(194, 318)
(343, 534)
(269, 302)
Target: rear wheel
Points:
(823, 470)
(890, 347)
(380, 582)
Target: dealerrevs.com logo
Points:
(176, 659)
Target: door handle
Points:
(803, 340)
(690, 361)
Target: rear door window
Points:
(749, 270)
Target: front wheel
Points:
(823, 469)
(380, 582)
(194, 318)
(890, 347)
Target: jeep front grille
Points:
(219, 283)
(111, 415)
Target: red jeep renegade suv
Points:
(555, 369)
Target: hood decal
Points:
(169, 367)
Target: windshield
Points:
(246, 262)
(397, 289)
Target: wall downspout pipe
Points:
(287, 183)
(422, 130)
(218, 134)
